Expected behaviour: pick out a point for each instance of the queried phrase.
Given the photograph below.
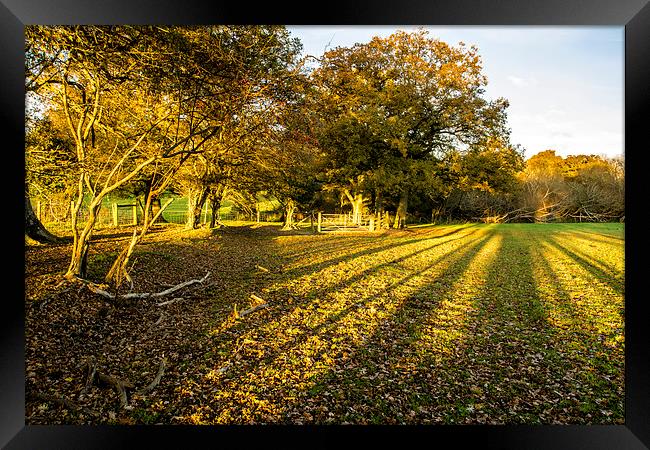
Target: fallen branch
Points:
(119, 385)
(156, 380)
(173, 300)
(263, 269)
(253, 309)
(97, 290)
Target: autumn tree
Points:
(395, 104)
(260, 63)
(119, 112)
(486, 180)
(292, 173)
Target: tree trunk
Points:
(289, 209)
(215, 203)
(192, 199)
(195, 202)
(198, 207)
(357, 205)
(400, 216)
(35, 229)
(81, 244)
(118, 271)
(379, 209)
(155, 207)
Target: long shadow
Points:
(511, 337)
(597, 237)
(527, 371)
(572, 228)
(562, 298)
(281, 308)
(361, 304)
(332, 322)
(355, 303)
(579, 324)
(598, 273)
(612, 271)
(377, 268)
(326, 245)
(346, 241)
(514, 366)
(321, 265)
(374, 269)
(358, 383)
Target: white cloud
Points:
(522, 82)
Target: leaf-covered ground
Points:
(514, 323)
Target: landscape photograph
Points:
(324, 225)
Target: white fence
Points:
(57, 216)
(345, 222)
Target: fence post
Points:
(135, 214)
(115, 222)
(319, 221)
(372, 224)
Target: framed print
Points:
(388, 256)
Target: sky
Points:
(564, 84)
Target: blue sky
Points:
(564, 84)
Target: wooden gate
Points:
(344, 222)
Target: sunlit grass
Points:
(462, 324)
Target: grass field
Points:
(473, 323)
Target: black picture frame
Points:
(634, 15)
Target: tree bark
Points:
(215, 203)
(118, 271)
(357, 205)
(81, 244)
(289, 208)
(400, 216)
(155, 207)
(35, 229)
(195, 216)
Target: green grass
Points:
(440, 324)
(468, 323)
